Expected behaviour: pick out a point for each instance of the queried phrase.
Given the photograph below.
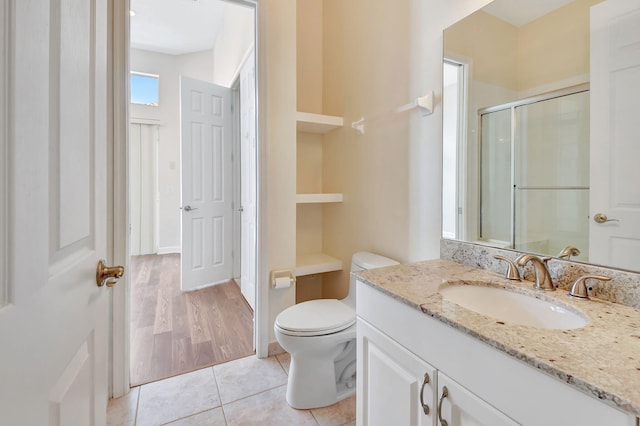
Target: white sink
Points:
(511, 307)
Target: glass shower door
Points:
(495, 178)
(551, 175)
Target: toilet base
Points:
(321, 373)
(306, 391)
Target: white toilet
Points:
(320, 335)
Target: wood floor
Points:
(174, 332)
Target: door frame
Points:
(119, 362)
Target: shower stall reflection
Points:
(534, 174)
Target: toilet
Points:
(320, 336)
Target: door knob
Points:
(602, 218)
(108, 275)
(188, 208)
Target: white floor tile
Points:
(248, 376)
(336, 414)
(177, 397)
(213, 417)
(269, 408)
(122, 411)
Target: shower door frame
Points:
(571, 90)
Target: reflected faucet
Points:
(569, 251)
(543, 278)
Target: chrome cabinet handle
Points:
(445, 393)
(425, 407)
(602, 218)
(188, 208)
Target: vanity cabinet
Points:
(397, 387)
(457, 406)
(398, 344)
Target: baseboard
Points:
(167, 250)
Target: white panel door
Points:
(615, 102)
(248, 188)
(395, 387)
(53, 343)
(207, 215)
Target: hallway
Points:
(175, 332)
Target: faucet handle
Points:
(512, 272)
(579, 287)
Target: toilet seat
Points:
(316, 318)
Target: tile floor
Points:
(247, 391)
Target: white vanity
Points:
(412, 345)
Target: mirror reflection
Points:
(518, 145)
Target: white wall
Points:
(197, 65)
(234, 41)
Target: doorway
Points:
(173, 331)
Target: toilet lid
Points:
(316, 317)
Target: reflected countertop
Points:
(601, 359)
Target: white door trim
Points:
(119, 124)
(118, 196)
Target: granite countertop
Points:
(601, 359)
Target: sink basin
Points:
(512, 307)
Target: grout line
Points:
(135, 418)
(215, 379)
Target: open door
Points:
(249, 181)
(53, 341)
(207, 211)
(614, 233)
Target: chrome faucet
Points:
(569, 251)
(543, 278)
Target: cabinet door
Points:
(459, 407)
(395, 387)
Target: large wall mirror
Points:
(541, 152)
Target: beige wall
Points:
(555, 48)
(277, 107)
(377, 55)
(391, 175)
(491, 43)
(549, 53)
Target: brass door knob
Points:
(108, 275)
(602, 218)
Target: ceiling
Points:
(176, 27)
(521, 12)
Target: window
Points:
(453, 130)
(144, 89)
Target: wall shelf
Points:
(318, 198)
(316, 263)
(317, 123)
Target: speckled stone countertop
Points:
(601, 359)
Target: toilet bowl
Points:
(320, 336)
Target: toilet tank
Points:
(361, 261)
